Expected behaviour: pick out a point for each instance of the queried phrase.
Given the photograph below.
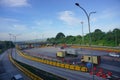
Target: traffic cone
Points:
(104, 76)
(94, 68)
(91, 73)
(101, 70)
(109, 73)
(98, 74)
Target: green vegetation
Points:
(110, 38)
(4, 45)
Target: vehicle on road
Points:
(72, 52)
(114, 55)
(61, 47)
(61, 54)
(17, 77)
(67, 52)
(49, 44)
(91, 59)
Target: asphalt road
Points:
(51, 51)
(107, 62)
(7, 69)
(69, 74)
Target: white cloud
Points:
(11, 24)
(34, 35)
(42, 25)
(18, 27)
(69, 18)
(4, 36)
(43, 22)
(106, 28)
(28, 36)
(93, 19)
(8, 20)
(107, 14)
(14, 3)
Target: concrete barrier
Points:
(72, 67)
(84, 69)
(24, 70)
(98, 48)
(77, 68)
(67, 66)
(54, 63)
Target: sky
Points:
(38, 19)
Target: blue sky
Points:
(36, 19)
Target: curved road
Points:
(7, 69)
(108, 63)
(69, 74)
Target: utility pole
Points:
(88, 19)
(82, 33)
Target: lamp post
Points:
(10, 43)
(82, 33)
(15, 44)
(88, 19)
(15, 36)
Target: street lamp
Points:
(10, 43)
(15, 45)
(82, 33)
(15, 36)
(88, 18)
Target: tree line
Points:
(98, 37)
(4, 45)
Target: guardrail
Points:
(98, 48)
(54, 63)
(24, 70)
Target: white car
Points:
(17, 77)
(114, 55)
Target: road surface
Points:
(69, 74)
(107, 62)
(7, 69)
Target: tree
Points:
(60, 35)
(78, 39)
(4, 45)
(51, 40)
(110, 38)
(97, 35)
(69, 39)
(116, 34)
(98, 31)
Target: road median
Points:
(54, 63)
(34, 73)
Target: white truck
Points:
(67, 52)
(72, 52)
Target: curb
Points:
(28, 73)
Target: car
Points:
(17, 77)
(114, 55)
(61, 47)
